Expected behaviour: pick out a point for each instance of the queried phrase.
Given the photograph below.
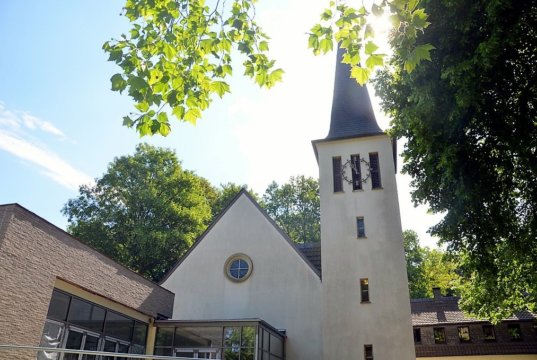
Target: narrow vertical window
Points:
(417, 336)
(364, 290)
(338, 180)
(368, 352)
(360, 227)
(375, 170)
(356, 172)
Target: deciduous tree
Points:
(470, 120)
(144, 212)
(295, 206)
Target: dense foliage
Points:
(178, 54)
(144, 212)
(295, 206)
(427, 268)
(470, 120)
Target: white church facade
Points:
(244, 290)
(244, 267)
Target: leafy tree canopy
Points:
(427, 268)
(178, 53)
(295, 206)
(470, 120)
(144, 212)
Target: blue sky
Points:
(60, 124)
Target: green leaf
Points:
(118, 83)
(155, 75)
(412, 4)
(179, 112)
(326, 45)
(192, 101)
(275, 76)
(374, 60)
(361, 74)
(370, 48)
(219, 87)
(192, 115)
(136, 83)
(162, 117)
(143, 106)
(313, 41)
(423, 52)
(169, 51)
(144, 128)
(326, 15)
(263, 46)
(164, 129)
(419, 19)
(127, 121)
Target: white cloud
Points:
(16, 141)
(31, 122)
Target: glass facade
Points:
(248, 340)
(74, 323)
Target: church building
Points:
(244, 290)
(245, 268)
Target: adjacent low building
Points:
(443, 331)
(58, 292)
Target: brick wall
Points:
(34, 253)
(503, 344)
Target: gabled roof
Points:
(12, 207)
(217, 219)
(445, 310)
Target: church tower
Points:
(366, 308)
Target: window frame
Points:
(374, 169)
(356, 177)
(368, 352)
(337, 176)
(461, 340)
(493, 331)
(417, 339)
(519, 329)
(360, 228)
(230, 260)
(365, 297)
(443, 332)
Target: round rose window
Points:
(238, 267)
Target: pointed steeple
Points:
(352, 113)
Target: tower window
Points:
(356, 172)
(375, 170)
(368, 352)
(364, 290)
(360, 227)
(338, 179)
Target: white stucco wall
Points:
(282, 289)
(347, 323)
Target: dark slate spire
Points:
(352, 113)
